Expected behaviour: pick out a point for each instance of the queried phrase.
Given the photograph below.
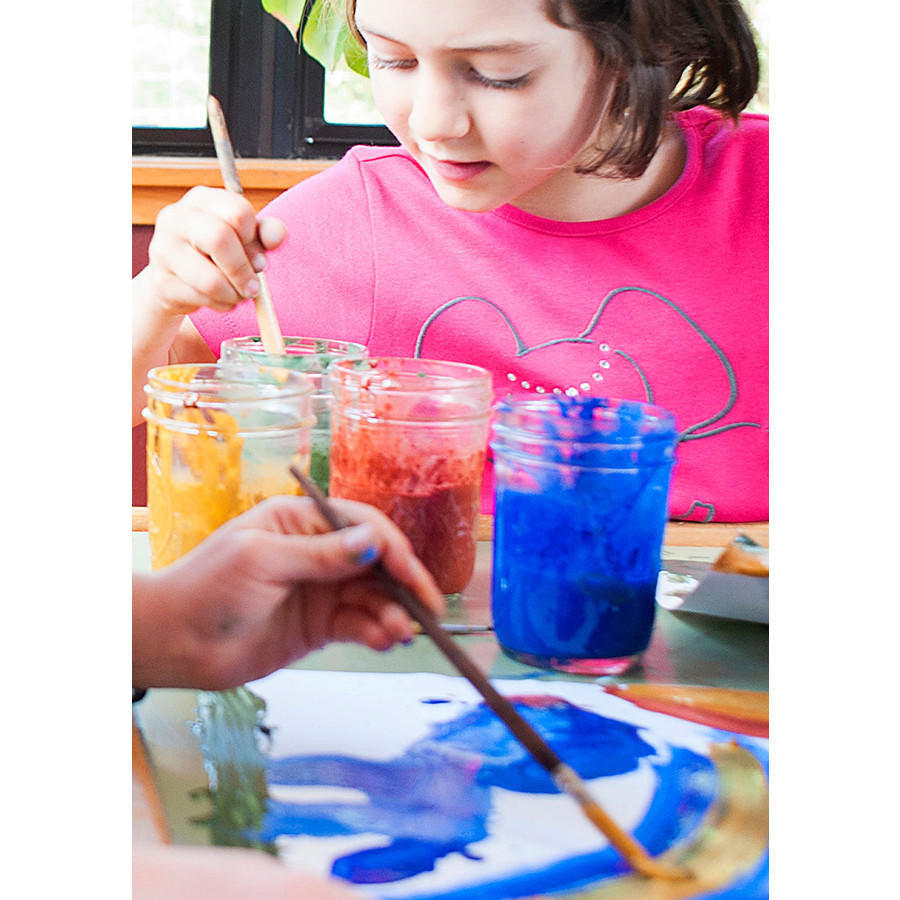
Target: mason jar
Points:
(311, 356)
(410, 436)
(220, 438)
(581, 502)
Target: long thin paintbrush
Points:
(269, 331)
(565, 778)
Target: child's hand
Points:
(206, 251)
(268, 587)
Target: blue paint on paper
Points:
(684, 792)
(435, 798)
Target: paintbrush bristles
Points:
(568, 781)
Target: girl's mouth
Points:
(450, 170)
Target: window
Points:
(278, 101)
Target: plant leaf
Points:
(288, 12)
(355, 55)
(326, 37)
(324, 34)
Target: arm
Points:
(265, 589)
(158, 339)
(206, 251)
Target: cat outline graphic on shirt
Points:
(695, 431)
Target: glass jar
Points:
(220, 438)
(311, 356)
(581, 490)
(410, 436)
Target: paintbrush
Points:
(269, 331)
(565, 778)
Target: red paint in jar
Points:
(409, 437)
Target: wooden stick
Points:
(269, 331)
(565, 778)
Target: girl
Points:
(577, 204)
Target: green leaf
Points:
(355, 56)
(326, 37)
(324, 34)
(288, 12)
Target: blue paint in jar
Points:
(581, 502)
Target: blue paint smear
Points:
(435, 798)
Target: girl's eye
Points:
(502, 84)
(379, 62)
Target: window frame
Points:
(272, 96)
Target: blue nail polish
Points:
(367, 555)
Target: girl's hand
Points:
(267, 588)
(206, 251)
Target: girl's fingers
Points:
(221, 227)
(271, 233)
(396, 553)
(376, 623)
(201, 281)
(234, 209)
(336, 555)
(181, 298)
(213, 238)
(296, 545)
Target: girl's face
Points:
(492, 99)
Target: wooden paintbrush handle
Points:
(269, 330)
(272, 340)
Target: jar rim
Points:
(541, 418)
(403, 374)
(224, 382)
(299, 345)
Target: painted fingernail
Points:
(252, 288)
(259, 262)
(359, 543)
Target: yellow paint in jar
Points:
(219, 440)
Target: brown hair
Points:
(665, 56)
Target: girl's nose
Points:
(438, 111)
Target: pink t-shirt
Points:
(667, 304)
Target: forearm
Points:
(153, 331)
